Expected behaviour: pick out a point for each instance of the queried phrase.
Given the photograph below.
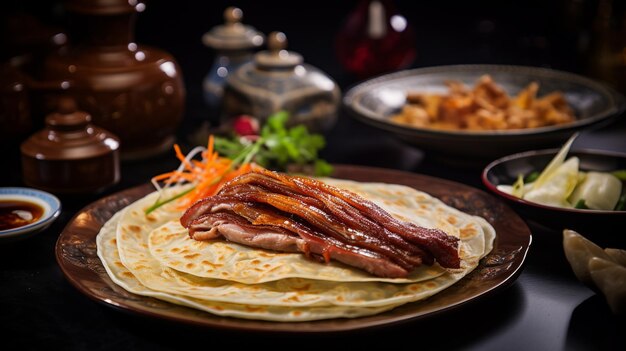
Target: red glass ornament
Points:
(375, 39)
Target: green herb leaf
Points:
(160, 203)
(531, 177)
(278, 146)
(276, 123)
(228, 148)
(581, 205)
(323, 168)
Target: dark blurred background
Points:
(571, 35)
(582, 36)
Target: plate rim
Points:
(325, 326)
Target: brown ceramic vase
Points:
(132, 90)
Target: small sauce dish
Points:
(25, 212)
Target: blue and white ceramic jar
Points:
(234, 44)
(277, 80)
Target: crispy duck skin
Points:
(343, 211)
(443, 246)
(259, 214)
(316, 219)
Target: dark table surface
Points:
(545, 309)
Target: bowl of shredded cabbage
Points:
(563, 188)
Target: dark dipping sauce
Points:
(18, 213)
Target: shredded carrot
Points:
(164, 176)
(209, 146)
(207, 175)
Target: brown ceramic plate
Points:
(76, 255)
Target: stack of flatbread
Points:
(153, 255)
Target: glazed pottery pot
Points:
(70, 155)
(134, 91)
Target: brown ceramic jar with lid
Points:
(70, 155)
(133, 90)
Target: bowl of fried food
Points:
(481, 112)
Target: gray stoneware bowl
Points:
(375, 101)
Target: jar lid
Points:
(233, 35)
(277, 56)
(69, 135)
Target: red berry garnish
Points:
(246, 125)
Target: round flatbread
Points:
(171, 245)
(108, 253)
(135, 227)
(152, 255)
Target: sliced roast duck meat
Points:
(285, 213)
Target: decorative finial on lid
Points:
(233, 35)
(67, 117)
(233, 15)
(277, 55)
(66, 105)
(277, 41)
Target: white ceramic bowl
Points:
(49, 203)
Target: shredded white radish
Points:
(195, 151)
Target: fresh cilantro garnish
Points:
(277, 147)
